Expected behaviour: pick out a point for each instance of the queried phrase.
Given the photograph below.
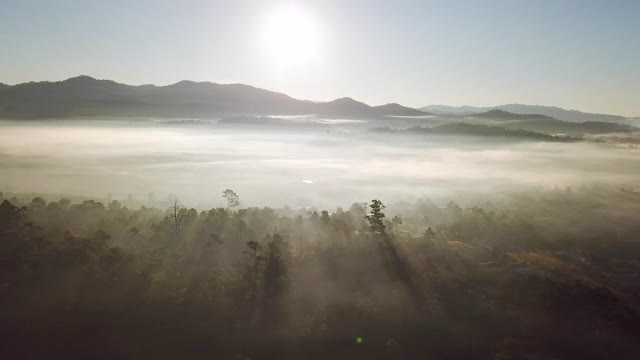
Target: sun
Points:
(292, 37)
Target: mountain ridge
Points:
(87, 96)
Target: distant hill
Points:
(464, 129)
(554, 126)
(344, 107)
(501, 115)
(548, 125)
(86, 96)
(560, 114)
(399, 110)
(551, 111)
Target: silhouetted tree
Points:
(9, 214)
(233, 199)
(276, 279)
(176, 215)
(428, 234)
(376, 219)
(325, 218)
(397, 263)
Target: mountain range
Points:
(86, 96)
(550, 111)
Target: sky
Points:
(576, 54)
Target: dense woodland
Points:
(546, 275)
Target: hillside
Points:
(550, 111)
(86, 96)
(399, 110)
(559, 113)
(548, 125)
(463, 129)
(343, 107)
(554, 126)
(501, 115)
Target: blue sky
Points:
(574, 54)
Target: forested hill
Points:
(552, 273)
(497, 114)
(464, 129)
(549, 125)
(551, 111)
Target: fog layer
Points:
(317, 166)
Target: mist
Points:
(336, 163)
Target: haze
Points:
(326, 167)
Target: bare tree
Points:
(176, 215)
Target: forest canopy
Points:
(404, 281)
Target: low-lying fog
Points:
(318, 166)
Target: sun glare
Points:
(292, 38)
